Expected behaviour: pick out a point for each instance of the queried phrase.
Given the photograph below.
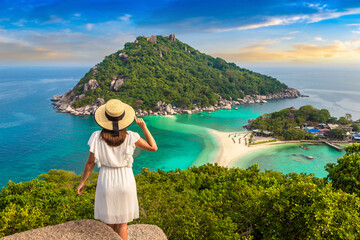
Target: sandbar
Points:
(234, 146)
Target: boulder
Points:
(124, 57)
(92, 84)
(116, 83)
(187, 112)
(168, 108)
(227, 107)
(152, 39)
(98, 102)
(89, 229)
(56, 98)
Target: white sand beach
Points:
(233, 146)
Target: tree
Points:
(343, 121)
(348, 117)
(355, 127)
(345, 174)
(337, 133)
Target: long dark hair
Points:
(112, 141)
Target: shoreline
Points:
(230, 151)
(63, 104)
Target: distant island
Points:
(305, 123)
(160, 75)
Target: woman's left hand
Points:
(80, 188)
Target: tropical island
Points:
(161, 75)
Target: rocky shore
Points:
(63, 103)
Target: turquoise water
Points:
(281, 158)
(34, 138)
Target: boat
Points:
(310, 157)
(201, 115)
(209, 112)
(263, 101)
(236, 108)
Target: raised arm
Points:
(89, 166)
(149, 144)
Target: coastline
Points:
(230, 151)
(63, 104)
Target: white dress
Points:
(115, 198)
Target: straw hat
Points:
(115, 116)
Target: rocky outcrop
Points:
(56, 98)
(172, 37)
(152, 39)
(162, 108)
(124, 57)
(116, 83)
(159, 52)
(94, 69)
(92, 84)
(89, 230)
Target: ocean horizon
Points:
(34, 138)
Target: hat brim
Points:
(103, 122)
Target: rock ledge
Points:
(89, 229)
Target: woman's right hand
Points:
(140, 122)
(80, 188)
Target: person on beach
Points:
(112, 150)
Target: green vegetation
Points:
(268, 141)
(283, 122)
(345, 175)
(206, 202)
(337, 133)
(178, 77)
(355, 127)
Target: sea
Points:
(34, 138)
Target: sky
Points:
(249, 33)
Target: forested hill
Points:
(158, 68)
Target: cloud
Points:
(53, 19)
(356, 31)
(320, 39)
(298, 52)
(317, 6)
(253, 56)
(287, 38)
(125, 18)
(59, 47)
(287, 20)
(89, 26)
(20, 22)
(77, 14)
(19, 51)
(254, 47)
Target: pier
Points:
(333, 146)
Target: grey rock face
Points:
(89, 229)
(116, 83)
(92, 84)
(94, 69)
(172, 37)
(56, 97)
(152, 39)
(124, 57)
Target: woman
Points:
(112, 150)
